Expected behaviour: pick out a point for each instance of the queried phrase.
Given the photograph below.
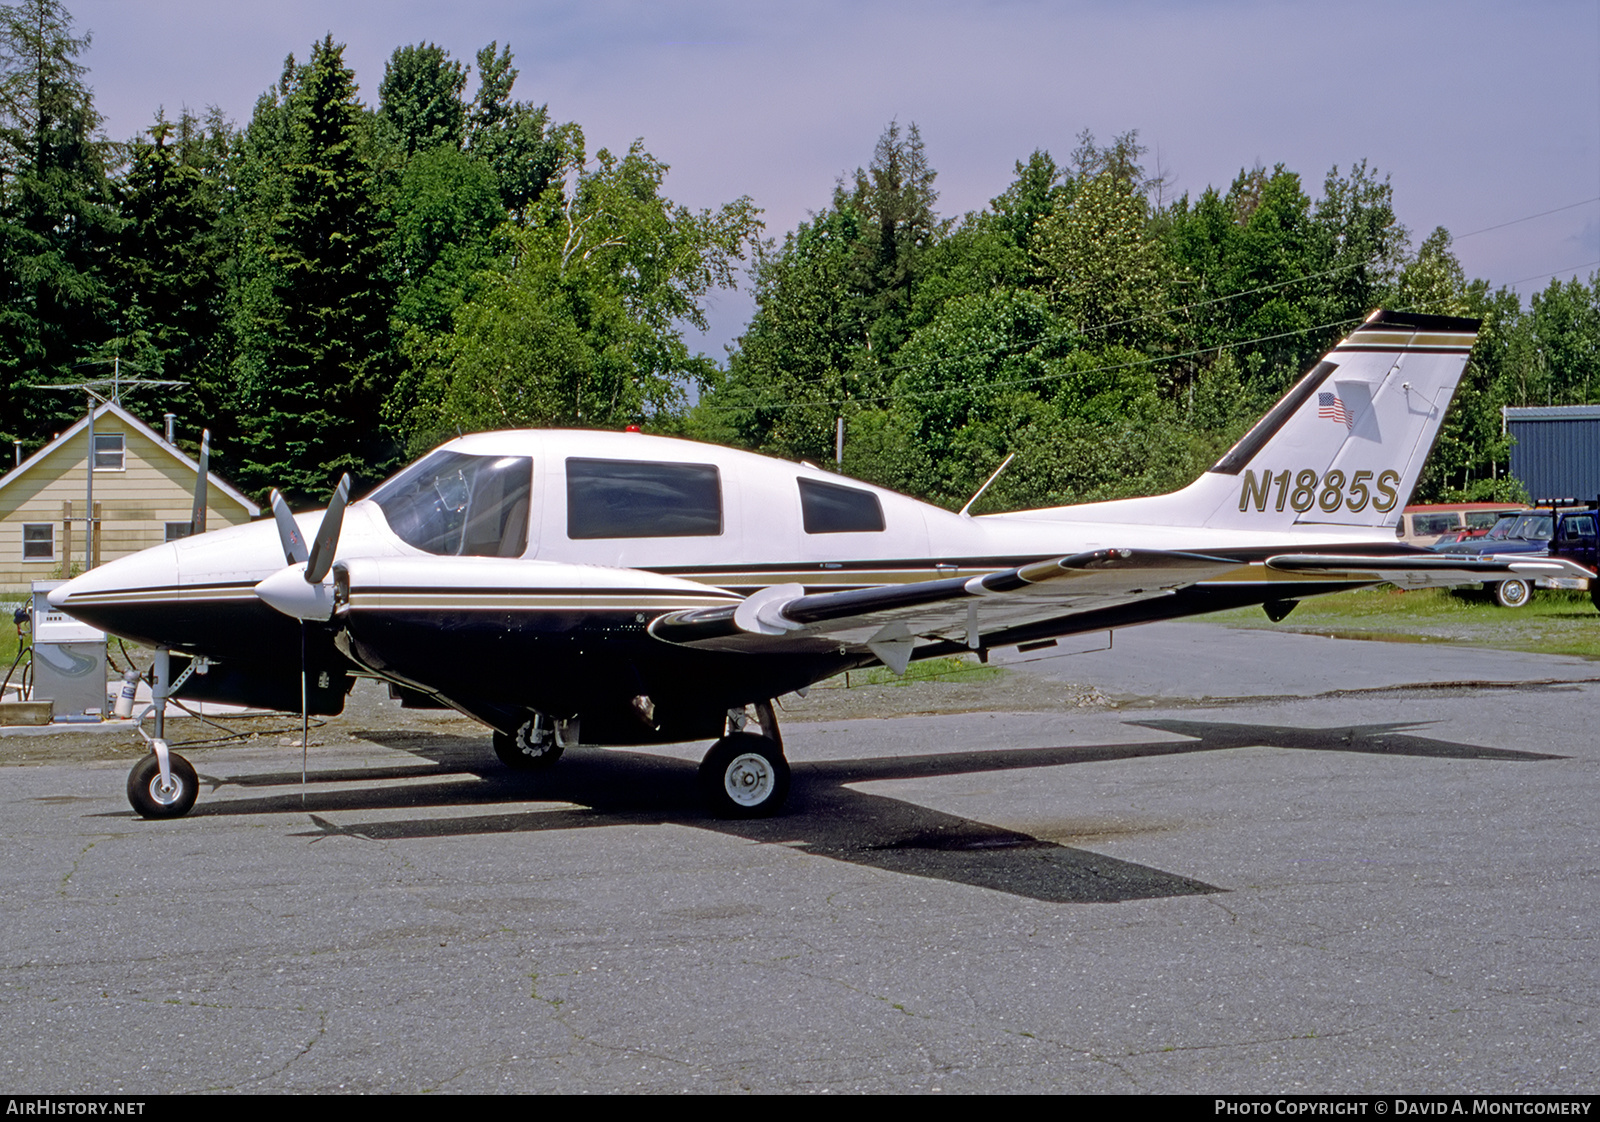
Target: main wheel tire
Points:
(147, 794)
(1513, 593)
(744, 776)
(533, 747)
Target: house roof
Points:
(212, 480)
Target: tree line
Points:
(340, 286)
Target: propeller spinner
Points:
(300, 589)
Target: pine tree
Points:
(170, 267)
(317, 349)
(56, 220)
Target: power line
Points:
(892, 368)
(1555, 273)
(967, 388)
(1526, 218)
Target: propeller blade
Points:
(197, 518)
(327, 539)
(294, 546)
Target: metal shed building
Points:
(1556, 450)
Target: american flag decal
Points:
(1329, 407)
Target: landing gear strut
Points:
(745, 775)
(162, 784)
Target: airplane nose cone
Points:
(110, 595)
(197, 594)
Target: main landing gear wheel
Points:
(154, 799)
(744, 776)
(1513, 593)
(533, 747)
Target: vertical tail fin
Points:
(1345, 446)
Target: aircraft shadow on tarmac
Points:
(825, 816)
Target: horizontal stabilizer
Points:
(1424, 571)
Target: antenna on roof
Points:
(978, 494)
(92, 389)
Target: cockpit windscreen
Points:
(458, 505)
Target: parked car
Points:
(1425, 525)
(1530, 532)
(1577, 538)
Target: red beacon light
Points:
(633, 428)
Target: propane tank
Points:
(130, 686)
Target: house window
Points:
(38, 541)
(110, 452)
(176, 530)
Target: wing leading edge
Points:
(889, 620)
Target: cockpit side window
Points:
(826, 508)
(458, 505)
(639, 499)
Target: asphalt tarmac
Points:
(1262, 863)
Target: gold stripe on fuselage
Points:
(530, 602)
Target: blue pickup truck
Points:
(1556, 530)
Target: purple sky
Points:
(1482, 113)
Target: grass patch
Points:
(952, 669)
(1554, 622)
(8, 634)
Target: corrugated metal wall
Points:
(1556, 458)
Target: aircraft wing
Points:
(1424, 571)
(890, 619)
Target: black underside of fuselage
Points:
(500, 666)
(590, 665)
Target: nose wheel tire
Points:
(744, 776)
(154, 799)
(533, 747)
(1514, 593)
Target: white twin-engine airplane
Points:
(618, 589)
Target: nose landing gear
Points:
(162, 784)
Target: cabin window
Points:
(38, 541)
(176, 530)
(826, 508)
(110, 451)
(637, 499)
(458, 505)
